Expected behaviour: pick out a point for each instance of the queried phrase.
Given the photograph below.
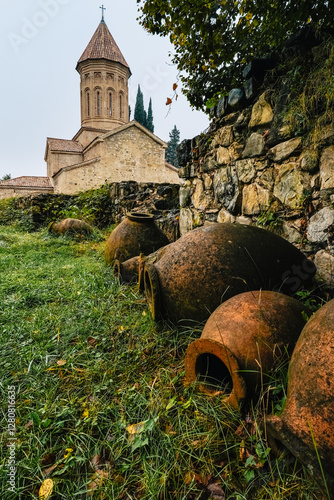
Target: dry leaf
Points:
(97, 481)
(169, 101)
(47, 472)
(46, 489)
(92, 341)
(29, 424)
(216, 492)
(61, 362)
(97, 462)
(175, 85)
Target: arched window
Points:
(110, 103)
(121, 105)
(88, 103)
(98, 103)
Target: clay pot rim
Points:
(208, 346)
(140, 217)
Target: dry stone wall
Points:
(248, 170)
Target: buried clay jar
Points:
(211, 264)
(136, 234)
(242, 341)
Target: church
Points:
(108, 147)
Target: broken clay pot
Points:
(306, 425)
(213, 263)
(136, 234)
(70, 226)
(242, 341)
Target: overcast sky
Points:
(41, 42)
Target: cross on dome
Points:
(103, 9)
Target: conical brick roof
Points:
(103, 46)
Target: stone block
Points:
(327, 168)
(184, 196)
(224, 137)
(282, 151)
(225, 216)
(309, 160)
(318, 228)
(254, 146)
(200, 199)
(186, 220)
(266, 179)
(290, 232)
(223, 156)
(324, 262)
(226, 188)
(236, 98)
(255, 199)
(291, 184)
(209, 164)
(245, 170)
(262, 113)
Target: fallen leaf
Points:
(92, 341)
(61, 362)
(216, 492)
(47, 472)
(97, 462)
(175, 85)
(29, 424)
(97, 481)
(46, 489)
(169, 101)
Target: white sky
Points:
(41, 42)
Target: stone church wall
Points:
(132, 154)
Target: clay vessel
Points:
(242, 342)
(136, 234)
(70, 226)
(213, 263)
(306, 424)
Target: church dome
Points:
(103, 46)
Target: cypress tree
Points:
(150, 124)
(174, 141)
(140, 113)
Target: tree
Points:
(174, 141)
(149, 123)
(6, 177)
(214, 40)
(140, 113)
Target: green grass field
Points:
(88, 365)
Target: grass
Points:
(101, 408)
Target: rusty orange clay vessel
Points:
(242, 341)
(70, 226)
(136, 234)
(213, 263)
(306, 424)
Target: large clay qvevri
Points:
(213, 263)
(70, 226)
(242, 341)
(306, 424)
(136, 234)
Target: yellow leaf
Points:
(85, 413)
(61, 362)
(46, 489)
(69, 451)
(136, 428)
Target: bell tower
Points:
(104, 75)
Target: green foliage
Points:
(149, 122)
(174, 141)
(6, 177)
(140, 113)
(214, 40)
(94, 206)
(311, 104)
(269, 219)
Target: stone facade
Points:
(127, 153)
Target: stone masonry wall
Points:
(248, 170)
